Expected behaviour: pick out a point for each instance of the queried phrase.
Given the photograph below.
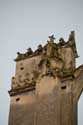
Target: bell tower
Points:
(47, 85)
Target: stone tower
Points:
(47, 85)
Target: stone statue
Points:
(39, 49)
(52, 38)
(29, 52)
(50, 46)
(61, 42)
(19, 56)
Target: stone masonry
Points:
(47, 85)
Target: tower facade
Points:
(47, 85)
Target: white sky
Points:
(25, 23)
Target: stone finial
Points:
(61, 41)
(19, 56)
(29, 51)
(39, 49)
(72, 36)
(52, 47)
(71, 42)
(52, 38)
(18, 53)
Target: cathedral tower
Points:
(47, 85)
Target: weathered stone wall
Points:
(22, 109)
(26, 71)
(50, 104)
(47, 102)
(54, 104)
(68, 57)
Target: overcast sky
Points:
(25, 23)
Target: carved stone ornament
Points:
(47, 85)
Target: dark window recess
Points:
(17, 99)
(22, 68)
(63, 87)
